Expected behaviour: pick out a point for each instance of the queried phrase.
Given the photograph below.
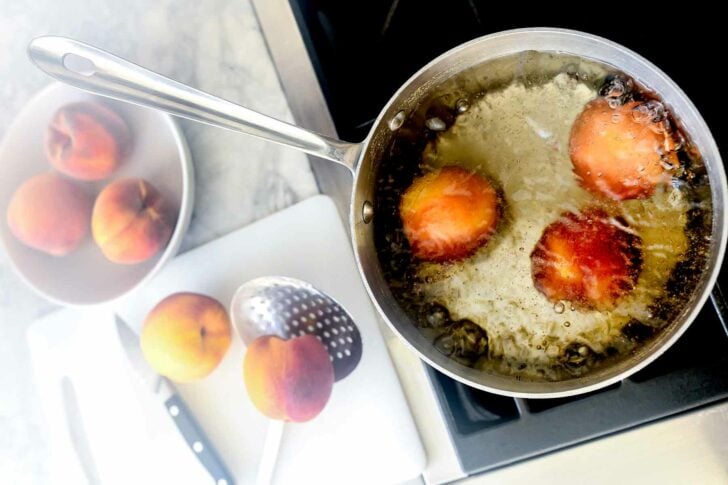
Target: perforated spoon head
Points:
(290, 308)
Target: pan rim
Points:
(611, 374)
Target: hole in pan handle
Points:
(79, 64)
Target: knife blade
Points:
(77, 432)
(175, 406)
(149, 377)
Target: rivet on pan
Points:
(367, 212)
(397, 121)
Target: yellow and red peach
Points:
(290, 380)
(618, 152)
(186, 336)
(86, 140)
(49, 213)
(130, 221)
(588, 258)
(449, 213)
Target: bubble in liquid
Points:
(616, 89)
(437, 316)
(567, 324)
(462, 105)
(436, 124)
(397, 121)
(614, 103)
(649, 112)
(559, 307)
(678, 141)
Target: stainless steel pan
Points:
(97, 71)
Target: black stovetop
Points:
(363, 51)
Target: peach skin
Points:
(186, 336)
(49, 213)
(130, 221)
(587, 258)
(289, 380)
(619, 152)
(448, 214)
(86, 140)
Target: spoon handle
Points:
(97, 71)
(272, 444)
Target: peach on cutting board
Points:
(130, 221)
(186, 336)
(620, 152)
(86, 140)
(290, 380)
(588, 258)
(449, 213)
(50, 213)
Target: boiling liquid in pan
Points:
(516, 133)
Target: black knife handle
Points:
(197, 441)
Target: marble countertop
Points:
(217, 46)
(213, 45)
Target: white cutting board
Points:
(366, 433)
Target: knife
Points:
(176, 408)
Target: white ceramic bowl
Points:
(159, 155)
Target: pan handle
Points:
(99, 72)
